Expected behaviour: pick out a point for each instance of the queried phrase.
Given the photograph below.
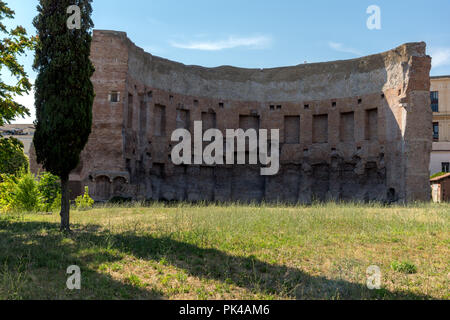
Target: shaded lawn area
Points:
(228, 252)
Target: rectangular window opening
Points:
(292, 129)
(320, 128)
(371, 125)
(347, 127)
(436, 131)
(446, 167)
(114, 96)
(159, 120)
(434, 95)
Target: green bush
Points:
(50, 189)
(404, 267)
(24, 192)
(84, 202)
(27, 196)
(12, 158)
(8, 185)
(20, 193)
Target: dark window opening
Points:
(279, 107)
(446, 167)
(221, 104)
(306, 106)
(272, 107)
(391, 195)
(334, 104)
(114, 96)
(434, 95)
(436, 131)
(359, 101)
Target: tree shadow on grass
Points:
(34, 258)
(55, 252)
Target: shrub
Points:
(27, 196)
(8, 185)
(22, 192)
(84, 202)
(49, 187)
(404, 267)
(12, 158)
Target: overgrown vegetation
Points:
(12, 158)
(26, 193)
(84, 202)
(182, 251)
(439, 174)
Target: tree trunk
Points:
(65, 204)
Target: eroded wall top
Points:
(316, 81)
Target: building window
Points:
(436, 130)
(114, 96)
(446, 167)
(434, 101)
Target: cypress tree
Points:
(64, 93)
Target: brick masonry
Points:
(358, 129)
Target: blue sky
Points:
(260, 33)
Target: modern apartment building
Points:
(440, 104)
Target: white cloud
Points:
(441, 56)
(258, 42)
(342, 48)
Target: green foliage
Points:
(7, 189)
(439, 174)
(20, 193)
(64, 93)
(12, 158)
(13, 44)
(404, 267)
(26, 193)
(27, 196)
(49, 187)
(84, 202)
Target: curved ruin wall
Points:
(351, 130)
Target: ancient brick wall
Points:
(349, 130)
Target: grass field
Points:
(229, 252)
